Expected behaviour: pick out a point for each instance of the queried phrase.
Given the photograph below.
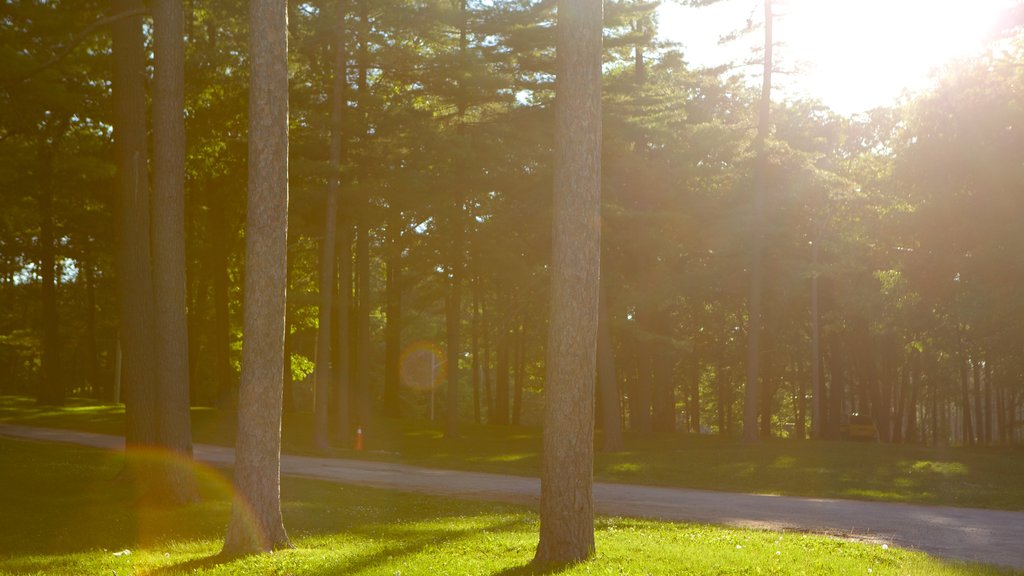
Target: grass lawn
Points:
(980, 477)
(65, 511)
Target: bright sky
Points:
(852, 54)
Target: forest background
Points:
(891, 239)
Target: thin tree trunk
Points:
(134, 275)
(178, 484)
(566, 501)
(256, 524)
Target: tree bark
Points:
(134, 274)
(566, 506)
(256, 524)
(178, 484)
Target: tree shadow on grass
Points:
(534, 569)
(406, 546)
(193, 565)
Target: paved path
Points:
(992, 536)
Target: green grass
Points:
(66, 511)
(980, 477)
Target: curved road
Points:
(990, 536)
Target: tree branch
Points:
(78, 39)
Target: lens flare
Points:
(422, 367)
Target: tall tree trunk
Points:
(721, 384)
(325, 330)
(52, 390)
(967, 431)
(453, 313)
(393, 313)
(256, 524)
(566, 501)
(326, 333)
(608, 386)
(750, 433)
(134, 274)
(343, 350)
(488, 394)
(800, 403)
(476, 366)
(693, 397)
(178, 485)
(343, 251)
(663, 417)
(520, 380)
(835, 390)
(363, 233)
(501, 379)
(224, 374)
(640, 397)
(990, 420)
(96, 383)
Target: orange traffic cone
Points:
(359, 438)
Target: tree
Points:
(256, 524)
(566, 510)
(134, 275)
(172, 368)
(754, 315)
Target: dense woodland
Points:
(419, 233)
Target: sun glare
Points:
(852, 55)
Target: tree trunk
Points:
(476, 366)
(566, 502)
(325, 331)
(519, 362)
(224, 374)
(750, 433)
(343, 339)
(640, 397)
(363, 235)
(343, 251)
(134, 274)
(721, 385)
(393, 314)
(178, 484)
(500, 415)
(51, 393)
(256, 524)
(968, 434)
